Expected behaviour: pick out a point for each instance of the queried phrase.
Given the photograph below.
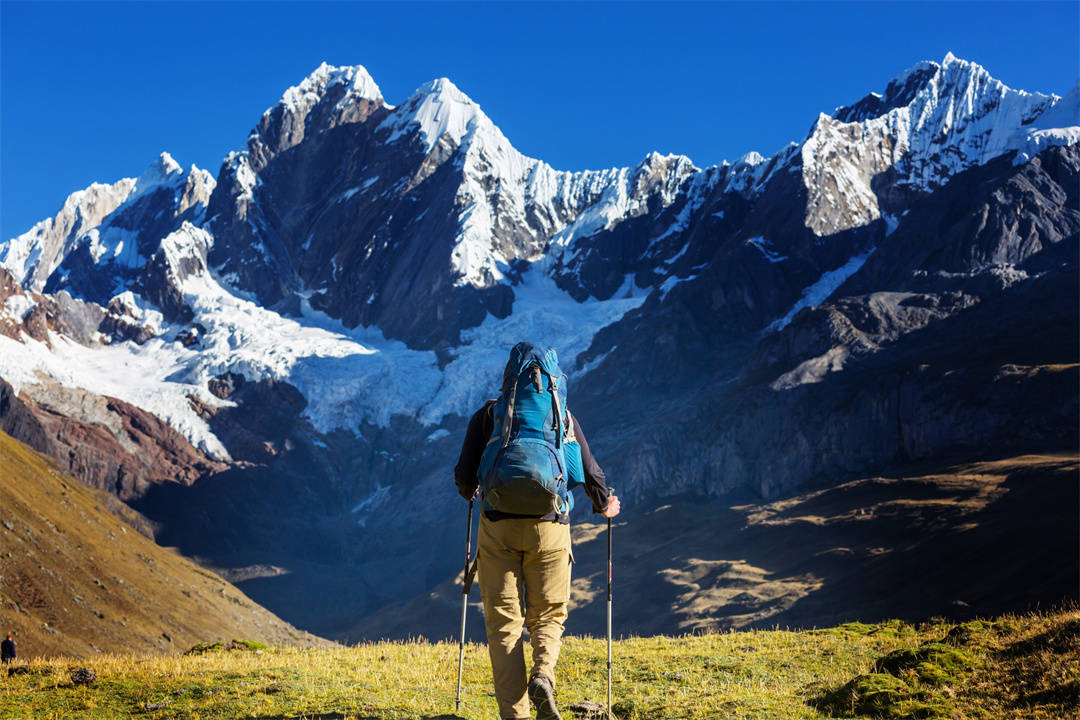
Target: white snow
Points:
(1058, 125)
(745, 174)
(766, 248)
(542, 313)
(141, 375)
(377, 498)
(670, 282)
(165, 171)
(239, 164)
(438, 108)
(115, 244)
(18, 306)
(825, 286)
(347, 194)
(891, 223)
(141, 311)
(438, 435)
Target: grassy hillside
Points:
(76, 580)
(1013, 667)
(958, 540)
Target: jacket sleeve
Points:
(472, 448)
(595, 482)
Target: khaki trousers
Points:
(523, 570)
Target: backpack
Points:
(523, 469)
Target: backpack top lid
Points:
(525, 353)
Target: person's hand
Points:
(612, 508)
(476, 492)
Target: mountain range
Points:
(275, 365)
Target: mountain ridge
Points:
(318, 322)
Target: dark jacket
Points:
(476, 436)
(7, 651)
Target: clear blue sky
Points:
(93, 92)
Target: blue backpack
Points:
(531, 460)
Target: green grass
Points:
(1017, 667)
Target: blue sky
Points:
(94, 91)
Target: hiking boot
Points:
(543, 699)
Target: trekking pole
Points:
(466, 583)
(609, 613)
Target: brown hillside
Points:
(76, 580)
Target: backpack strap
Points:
(508, 415)
(557, 412)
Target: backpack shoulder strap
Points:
(559, 427)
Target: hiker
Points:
(7, 649)
(524, 548)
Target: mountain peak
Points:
(356, 78)
(343, 95)
(900, 91)
(443, 87)
(163, 169)
(951, 72)
(440, 110)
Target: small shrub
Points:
(870, 694)
(967, 633)
(83, 676)
(206, 647)
(934, 663)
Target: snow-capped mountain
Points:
(318, 321)
(931, 122)
(113, 224)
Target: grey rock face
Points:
(899, 92)
(948, 352)
(988, 221)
